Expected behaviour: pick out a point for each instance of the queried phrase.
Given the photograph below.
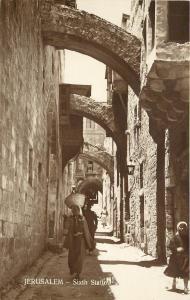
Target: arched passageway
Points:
(80, 106)
(100, 113)
(102, 158)
(67, 28)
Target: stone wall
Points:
(28, 75)
(150, 22)
(142, 151)
(177, 179)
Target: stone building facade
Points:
(143, 217)
(165, 53)
(151, 194)
(30, 74)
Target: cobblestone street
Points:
(126, 271)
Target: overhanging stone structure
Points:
(98, 112)
(104, 115)
(67, 28)
(165, 96)
(104, 159)
(71, 126)
(165, 90)
(73, 107)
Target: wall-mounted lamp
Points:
(130, 169)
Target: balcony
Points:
(165, 89)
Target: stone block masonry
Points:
(24, 97)
(143, 185)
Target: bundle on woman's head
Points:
(181, 224)
(182, 228)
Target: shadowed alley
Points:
(114, 272)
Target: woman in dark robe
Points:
(77, 241)
(92, 222)
(178, 266)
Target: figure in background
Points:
(178, 266)
(77, 241)
(104, 215)
(92, 222)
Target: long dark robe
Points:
(77, 240)
(92, 221)
(179, 261)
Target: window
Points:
(152, 21)
(178, 21)
(141, 175)
(30, 166)
(2, 227)
(135, 115)
(137, 122)
(39, 171)
(43, 86)
(127, 207)
(90, 124)
(53, 64)
(90, 167)
(142, 211)
(129, 145)
(125, 19)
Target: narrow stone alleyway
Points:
(115, 272)
(94, 102)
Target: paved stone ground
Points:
(129, 273)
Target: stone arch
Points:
(98, 112)
(90, 183)
(103, 158)
(67, 28)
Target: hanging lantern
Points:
(130, 169)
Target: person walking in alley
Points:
(178, 266)
(92, 222)
(104, 215)
(77, 240)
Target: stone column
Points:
(169, 195)
(161, 215)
